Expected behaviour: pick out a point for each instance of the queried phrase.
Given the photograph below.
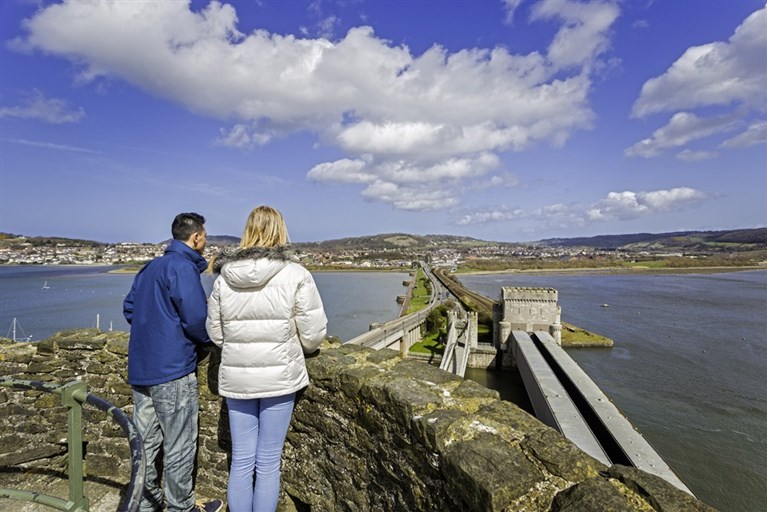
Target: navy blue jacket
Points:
(166, 309)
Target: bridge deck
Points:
(610, 421)
(551, 402)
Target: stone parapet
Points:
(373, 432)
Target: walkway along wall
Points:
(374, 432)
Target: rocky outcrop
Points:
(374, 432)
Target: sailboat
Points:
(45, 286)
(12, 332)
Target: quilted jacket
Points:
(265, 313)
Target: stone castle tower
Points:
(527, 309)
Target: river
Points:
(75, 295)
(688, 367)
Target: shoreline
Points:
(613, 270)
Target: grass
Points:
(575, 336)
(429, 345)
(421, 293)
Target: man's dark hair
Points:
(187, 224)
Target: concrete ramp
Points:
(551, 402)
(615, 433)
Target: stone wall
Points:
(374, 432)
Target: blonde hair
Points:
(265, 228)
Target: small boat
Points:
(12, 332)
(605, 305)
(45, 286)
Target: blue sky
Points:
(508, 120)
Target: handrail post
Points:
(73, 394)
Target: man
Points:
(166, 309)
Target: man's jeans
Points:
(166, 415)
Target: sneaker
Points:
(209, 506)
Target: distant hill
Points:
(223, 240)
(678, 241)
(10, 240)
(745, 239)
(397, 242)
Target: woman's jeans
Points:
(259, 427)
(166, 416)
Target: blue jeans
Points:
(259, 427)
(166, 415)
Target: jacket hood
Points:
(252, 266)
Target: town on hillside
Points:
(745, 247)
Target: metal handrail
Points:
(73, 395)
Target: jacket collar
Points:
(181, 248)
(280, 253)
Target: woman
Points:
(265, 313)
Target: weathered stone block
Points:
(467, 468)
(433, 429)
(118, 345)
(43, 366)
(47, 346)
(561, 457)
(30, 453)
(592, 495)
(660, 494)
(401, 398)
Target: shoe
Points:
(209, 506)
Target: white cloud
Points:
(402, 119)
(754, 134)
(630, 205)
(584, 35)
(718, 73)
(327, 26)
(689, 155)
(683, 128)
(499, 214)
(50, 110)
(509, 8)
(419, 198)
(405, 184)
(342, 171)
(622, 206)
(243, 136)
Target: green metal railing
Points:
(73, 395)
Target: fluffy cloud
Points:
(584, 34)
(402, 119)
(50, 110)
(404, 184)
(625, 205)
(754, 134)
(727, 75)
(630, 205)
(719, 73)
(683, 128)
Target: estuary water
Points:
(75, 295)
(689, 367)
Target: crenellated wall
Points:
(374, 432)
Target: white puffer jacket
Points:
(264, 312)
